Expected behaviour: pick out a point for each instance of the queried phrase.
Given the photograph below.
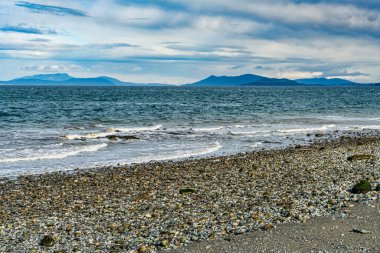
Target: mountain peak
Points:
(58, 77)
(63, 79)
(227, 80)
(324, 81)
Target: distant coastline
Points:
(247, 80)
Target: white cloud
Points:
(249, 32)
(52, 68)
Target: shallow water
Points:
(60, 128)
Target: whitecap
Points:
(60, 155)
(306, 130)
(110, 131)
(181, 154)
(138, 129)
(257, 132)
(207, 129)
(256, 144)
(369, 127)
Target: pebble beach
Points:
(160, 206)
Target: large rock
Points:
(121, 137)
(362, 187)
(47, 241)
(360, 157)
(187, 191)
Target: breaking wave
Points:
(60, 155)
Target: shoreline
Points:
(292, 141)
(317, 138)
(156, 206)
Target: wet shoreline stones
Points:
(160, 205)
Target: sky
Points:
(180, 41)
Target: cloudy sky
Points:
(179, 41)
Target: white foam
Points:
(345, 118)
(181, 154)
(60, 155)
(207, 129)
(370, 127)
(110, 131)
(137, 129)
(257, 132)
(256, 144)
(90, 135)
(306, 130)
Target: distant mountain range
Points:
(63, 79)
(255, 80)
(325, 81)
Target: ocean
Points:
(45, 129)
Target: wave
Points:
(257, 132)
(370, 127)
(348, 118)
(305, 130)
(137, 129)
(207, 129)
(182, 154)
(61, 155)
(110, 131)
(256, 144)
(330, 127)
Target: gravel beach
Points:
(167, 205)
(332, 233)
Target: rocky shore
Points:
(161, 205)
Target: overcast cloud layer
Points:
(177, 41)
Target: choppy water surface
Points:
(59, 128)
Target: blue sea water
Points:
(63, 128)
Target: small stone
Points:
(267, 227)
(142, 248)
(69, 228)
(165, 243)
(360, 231)
(77, 234)
(47, 241)
(194, 238)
